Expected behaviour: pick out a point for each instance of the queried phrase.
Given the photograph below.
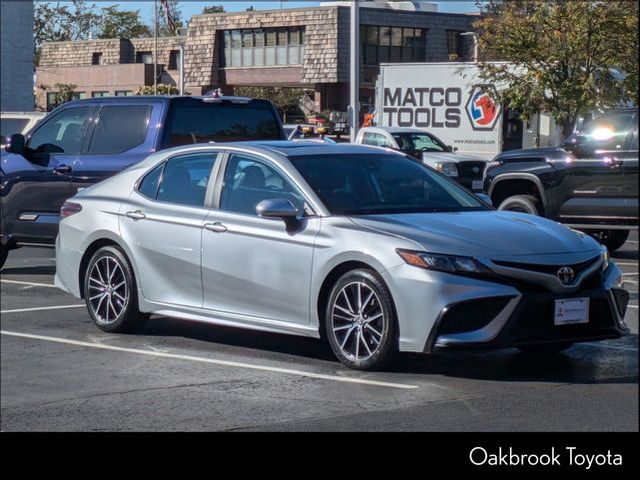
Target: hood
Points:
(488, 234)
(449, 157)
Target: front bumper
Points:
(527, 319)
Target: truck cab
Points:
(464, 169)
(589, 183)
(85, 141)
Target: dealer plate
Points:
(571, 310)
(476, 185)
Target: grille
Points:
(465, 169)
(548, 269)
(471, 315)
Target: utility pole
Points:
(155, 52)
(354, 78)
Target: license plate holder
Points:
(476, 185)
(570, 311)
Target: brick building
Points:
(305, 47)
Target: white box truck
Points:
(451, 101)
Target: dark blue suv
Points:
(85, 141)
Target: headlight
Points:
(444, 263)
(448, 168)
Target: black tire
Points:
(521, 203)
(126, 316)
(545, 348)
(387, 346)
(612, 239)
(4, 252)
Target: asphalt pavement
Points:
(60, 373)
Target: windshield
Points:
(380, 184)
(608, 131)
(419, 142)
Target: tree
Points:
(57, 23)
(164, 28)
(162, 89)
(560, 55)
(285, 99)
(213, 9)
(122, 24)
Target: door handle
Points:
(137, 215)
(62, 169)
(615, 163)
(215, 227)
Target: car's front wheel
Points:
(110, 292)
(360, 321)
(612, 239)
(521, 203)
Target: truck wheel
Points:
(612, 239)
(521, 203)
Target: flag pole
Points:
(155, 52)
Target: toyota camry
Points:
(362, 246)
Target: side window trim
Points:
(266, 161)
(95, 118)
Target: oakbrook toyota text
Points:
(568, 456)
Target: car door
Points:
(594, 182)
(162, 221)
(251, 265)
(33, 206)
(122, 135)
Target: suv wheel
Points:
(110, 292)
(521, 203)
(612, 239)
(360, 321)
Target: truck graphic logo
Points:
(481, 109)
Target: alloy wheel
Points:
(108, 290)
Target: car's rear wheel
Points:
(545, 347)
(521, 203)
(612, 239)
(360, 321)
(110, 292)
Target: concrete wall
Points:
(16, 56)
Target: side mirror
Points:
(485, 198)
(452, 149)
(277, 208)
(15, 144)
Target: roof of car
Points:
(164, 99)
(304, 148)
(394, 129)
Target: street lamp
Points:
(475, 44)
(354, 87)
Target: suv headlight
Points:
(444, 263)
(448, 168)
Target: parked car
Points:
(590, 182)
(464, 169)
(86, 141)
(17, 122)
(368, 248)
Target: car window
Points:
(61, 133)
(375, 139)
(419, 142)
(221, 123)
(120, 129)
(247, 182)
(150, 183)
(184, 179)
(9, 126)
(381, 184)
(607, 132)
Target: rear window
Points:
(204, 123)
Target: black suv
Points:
(589, 183)
(85, 141)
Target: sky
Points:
(190, 8)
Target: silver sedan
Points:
(359, 245)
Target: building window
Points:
(262, 47)
(392, 44)
(174, 56)
(52, 100)
(96, 58)
(123, 93)
(99, 94)
(144, 57)
(78, 96)
(454, 45)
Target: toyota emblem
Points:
(476, 170)
(565, 274)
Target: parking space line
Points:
(36, 309)
(226, 363)
(31, 284)
(626, 264)
(629, 274)
(632, 306)
(604, 345)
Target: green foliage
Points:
(562, 52)
(285, 99)
(122, 24)
(213, 9)
(162, 89)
